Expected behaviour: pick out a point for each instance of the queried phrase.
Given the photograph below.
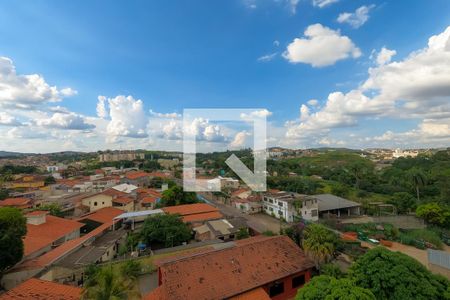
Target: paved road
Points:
(260, 222)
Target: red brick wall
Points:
(289, 291)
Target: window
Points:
(314, 212)
(280, 203)
(280, 212)
(95, 203)
(103, 202)
(271, 208)
(270, 200)
(276, 289)
(298, 281)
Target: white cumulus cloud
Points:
(8, 120)
(321, 47)
(70, 121)
(357, 18)
(323, 3)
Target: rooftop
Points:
(16, 202)
(42, 290)
(45, 234)
(136, 174)
(190, 209)
(125, 188)
(229, 272)
(331, 202)
(122, 200)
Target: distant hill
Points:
(12, 154)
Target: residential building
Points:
(168, 163)
(120, 155)
(196, 213)
(220, 183)
(20, 203)
(137, 178)
(239, 269)
(45, 232)
(27, 181)
(221, 229)
(37, 289)
(290, 206)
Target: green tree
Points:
(434, 213)
(417, 179)
(176, 196)
(394, 275)
(331, 270)
(242, 234)
(53, 208)
(131, 269)
(49, 180)
(403, 201)
(319, 243)
(106, 285)
(325, 287)
(12, 230)
(168, 230)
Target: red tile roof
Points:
(37, 213)
(159, 174)
(190, 209)
(37, 289)
(16, 202)
(43, 235)
(113, 193)
(152, 192)
(231, 271)
(103, 215)
(136, 174)
(239, 191)
(122, 200)
(149, 200)
(202, 217)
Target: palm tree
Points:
(108, 286)
(319, 243)
(417, 179)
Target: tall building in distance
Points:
(120, 155)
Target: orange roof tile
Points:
(159, 174)
(43, 235)
(239, 191)
(202, 217)
(232, 271)
(113, 193)
(189, 209)
(149, 200)
(122, 200)
(16, 202)
(103, 215)
(136, 174)
(42, 290)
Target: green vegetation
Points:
(12, 229)
(434, 213)
(329, 288)
(319, 243)
(53, 208)
(166, 230)
(242, 234)
(394, 275)
(49, 180)
(176, 196)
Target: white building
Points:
(221, 183)
(289, 206)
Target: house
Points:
(96, 225)
(196, 213)
(20, 203)
(27, 181)
(45, 232)
(241, 193)
(249, 205)
(37, 289)
(221, 229)
(334, 205)
(275, 265)
(147, 198)
(121, 196)
(220, 183)
(137, 178)
(290, 206)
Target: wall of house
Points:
(289, 290)
(12, 279)
(101, 200)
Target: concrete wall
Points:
(101, 201)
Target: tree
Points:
(394, 275)
(331, 270)
(417, 179)
(168, 230)
(403, 201)
(434, 213)
(105, 285)
(319, 243)
(49, 180)
(325, 287)
(176, 196)
(295, 232)
(12, 230)
(242, 233)
(53, 208)
(131, 269)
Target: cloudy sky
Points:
(92, 75)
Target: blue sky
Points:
(221, 54)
